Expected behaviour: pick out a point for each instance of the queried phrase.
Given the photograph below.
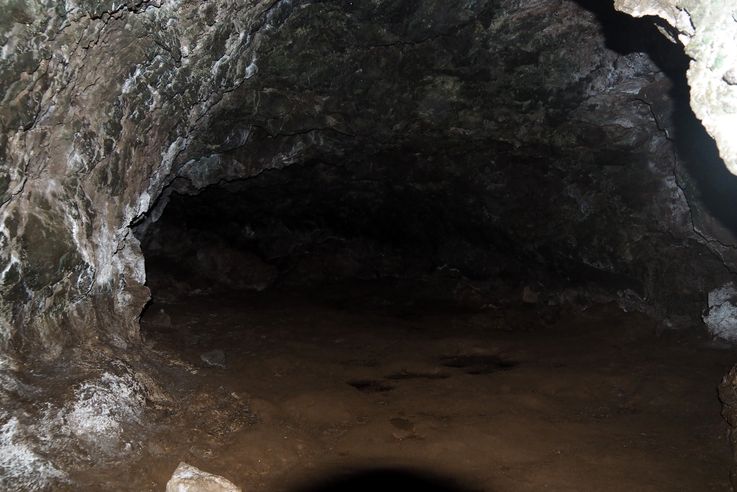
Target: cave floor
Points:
(501, 400)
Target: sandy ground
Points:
(502, 400)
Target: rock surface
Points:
(491, 133)
(214, 358)
(721, 318)
(707, 29)
(187, 478)
(99, 418)
(219, 92)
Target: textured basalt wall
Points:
(100, 101)
(558, 141)
(104, 107)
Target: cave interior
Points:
(453, 247)
(365, 280)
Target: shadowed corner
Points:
(386, 478)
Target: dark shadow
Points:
(706, 176)
(385, 479)
(703, 175)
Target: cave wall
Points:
(99, 101)
(105, 105)
(707, 30)
(562, 142)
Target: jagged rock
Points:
(187, 478)
(721, 317)
(101, 420)
(499, 136)
(707, 30)
(524, 96)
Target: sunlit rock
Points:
(707, 29)
(187, 478)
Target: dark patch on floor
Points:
(370, 386)
(478, 364)
(399, 376)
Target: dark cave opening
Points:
(392, 217)
(420, 226)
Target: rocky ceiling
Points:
(552, 133)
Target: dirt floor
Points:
(513, 399)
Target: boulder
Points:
(187, 478)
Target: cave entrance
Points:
(370, 313)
